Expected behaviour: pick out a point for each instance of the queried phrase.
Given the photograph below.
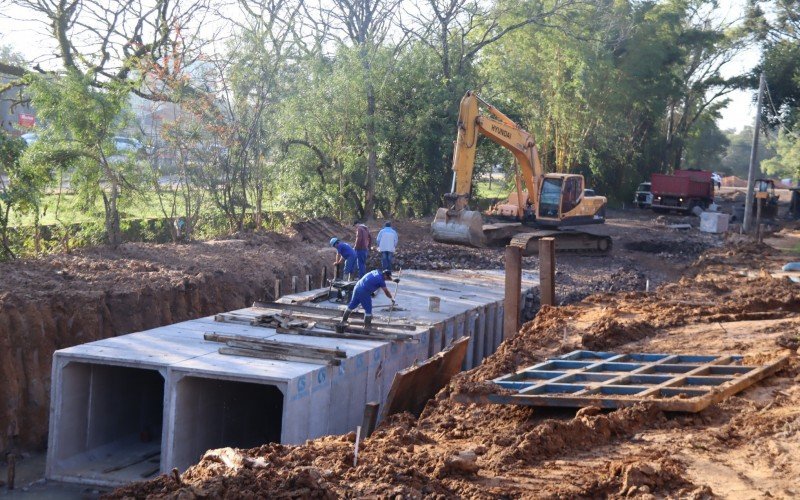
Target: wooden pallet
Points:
(687, 383)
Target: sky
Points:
(27, 37)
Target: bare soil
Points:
(63, 300)
(708, 294)
(744, 447)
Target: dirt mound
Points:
(647, 477)
(789, 341)
(607, 333)
(589, 428)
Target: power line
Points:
(778, 116)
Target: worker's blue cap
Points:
(334, 241)
(388, 224)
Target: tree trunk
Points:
(372, 142)
(113, 234)
(4, 230)
(259, 204)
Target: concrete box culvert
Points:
(111, 422)
(129, 407)
(212, 413)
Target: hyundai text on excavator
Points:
(548, 202)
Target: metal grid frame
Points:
(674, 382)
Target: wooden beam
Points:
(513, 291)
(370, 418)
(547, 271)
(224, 337)
(250, 353)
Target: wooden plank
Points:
(250, 353)
(414, 386)
(336, 335)
(132, 462)
(319, 318)
(281, 306)
(224, 337)
(366, 331)
(288, 352)
(370, 418)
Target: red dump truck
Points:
(682, 190)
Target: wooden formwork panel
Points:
(674, 382)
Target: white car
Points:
(643, 197)
(716, 179)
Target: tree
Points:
(736, 160)
(366, 25)
(21, 186)
(705, 146)
(786, 162)
(106, 43)
(81, 122)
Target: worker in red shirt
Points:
(362, 246)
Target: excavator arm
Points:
(556, 199)
(500, 129)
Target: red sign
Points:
(26, 120)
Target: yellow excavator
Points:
(547, 204)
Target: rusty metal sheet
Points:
(414, 386)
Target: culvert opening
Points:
(211, 413)
(109, 423)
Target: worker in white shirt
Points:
(387, 244)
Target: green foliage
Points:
(786, 162)
(706, 145)
(295, 118)
(736, 160)
(22, 190)
(81, 122)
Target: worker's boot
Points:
(343, 323)
(367, 320)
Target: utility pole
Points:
(751, 174)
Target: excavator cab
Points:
(562, 202)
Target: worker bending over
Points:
(344, 252)
(362, 294)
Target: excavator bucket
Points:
(463, 227)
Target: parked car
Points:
(716, 179)
(643, 197)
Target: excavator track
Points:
(577, 242)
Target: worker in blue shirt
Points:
(362, 294)
(344, 252)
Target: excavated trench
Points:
(37, 318)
